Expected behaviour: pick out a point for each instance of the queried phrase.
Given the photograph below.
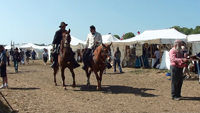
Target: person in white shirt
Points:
(94, 39)
(45, 56)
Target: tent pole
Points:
(151, 55)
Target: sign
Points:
(138, 49)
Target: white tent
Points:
(165, 63)
(109, 38)
(195, 40)
(163, 36)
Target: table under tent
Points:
(194, 39)
(144, 45)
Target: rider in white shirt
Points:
(94, 39)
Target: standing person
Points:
(117, 57)
(45, 56)
(33, 54)
(28, 54)
(177, 63)
(157, 54)
(186, 72)
(3, 73)
(22, 56)
(11, 54)
(16, 59)
(8, 56)
(56, 42)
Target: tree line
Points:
(184, 30)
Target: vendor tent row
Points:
(75, 45)
(163, 36)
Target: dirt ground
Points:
(32, 90)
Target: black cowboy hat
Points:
(63, 24)
(92, 27)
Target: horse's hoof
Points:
(88, 84)
(65, 88)
(74, 85)
(98, 88)
(56, 84)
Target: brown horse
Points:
(65, 59)
(101, 54)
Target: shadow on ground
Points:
(116, 89)
(191, 98)
(4, 108)
(23, 88)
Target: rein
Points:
(105, 55)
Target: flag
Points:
(122, 37)
(138, 32)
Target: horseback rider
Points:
(94, 39)
(56, 44)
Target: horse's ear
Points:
(69, 31)
(103, 45)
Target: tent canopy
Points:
(163, 36)
(193, 38)
(109, 38)
(75, 41)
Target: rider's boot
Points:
(108, 65)
(75, 64)
(55, 58)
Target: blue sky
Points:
(36, 21)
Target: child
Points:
(185, 69)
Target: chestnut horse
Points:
(98, 63)
(65, 59)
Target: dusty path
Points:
(137, 90)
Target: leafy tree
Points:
(187, 31)
(117, 36)
(196, 30)
(129, 35)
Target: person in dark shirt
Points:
(28, 54)
(56, 42)
(117, 57)
(16, 59)
(3, 67)
(33, 54)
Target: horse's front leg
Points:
(88, 73)
(63, 77)
(98, 80)
(101, 74)
(55, 72)
(73, 76)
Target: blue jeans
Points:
(22, 59)
(118, 63)
(16, 65)
(198, 69)
(86, 57)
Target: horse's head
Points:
(66, 38)
(106, 51)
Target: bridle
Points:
(104, 54)
(66, 45)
